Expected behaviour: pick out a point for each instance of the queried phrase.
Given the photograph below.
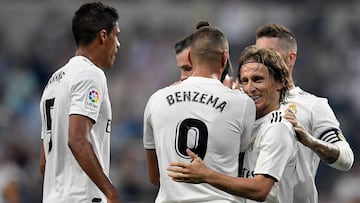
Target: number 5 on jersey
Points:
(49, 106)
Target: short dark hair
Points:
(184, 43)
(272, 60)
(208, 42)
(228, 70)
(89, 19)
(271, 29)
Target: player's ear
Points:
(102, 35)
(189, 58)
(292, 56)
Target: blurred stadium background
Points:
(36, 39)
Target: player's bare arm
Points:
(256, 188)
(327, 152)
(42, 160)
(79, 128)
(152, 167)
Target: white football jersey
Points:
(80, 88)
(205, 116)
(317, 117)
(272, 152)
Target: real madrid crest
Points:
(291, 108)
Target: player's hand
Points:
(194, 172)
(236, 85)
(290, 116)
(228, 81)
(301, 134)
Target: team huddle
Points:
(217, 135)
(278, 143)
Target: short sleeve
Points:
(323, 118)
(326, 127)
(277, 148)
(249, 119)
(148, 136)
(87, 94)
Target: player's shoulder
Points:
(275, 119)
(298, 95)
(83, 67)
(298, 92)
(277, 124)
(273, 127)
(238, 95)
(160, 93)
(57, 77)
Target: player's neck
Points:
(262, 112)
(291, 84)
(206, 74)
(86, 52)
(207, 71)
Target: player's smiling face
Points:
(258, 84)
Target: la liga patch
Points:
(92, 101)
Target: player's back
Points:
(64, 180)
(207, 117)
